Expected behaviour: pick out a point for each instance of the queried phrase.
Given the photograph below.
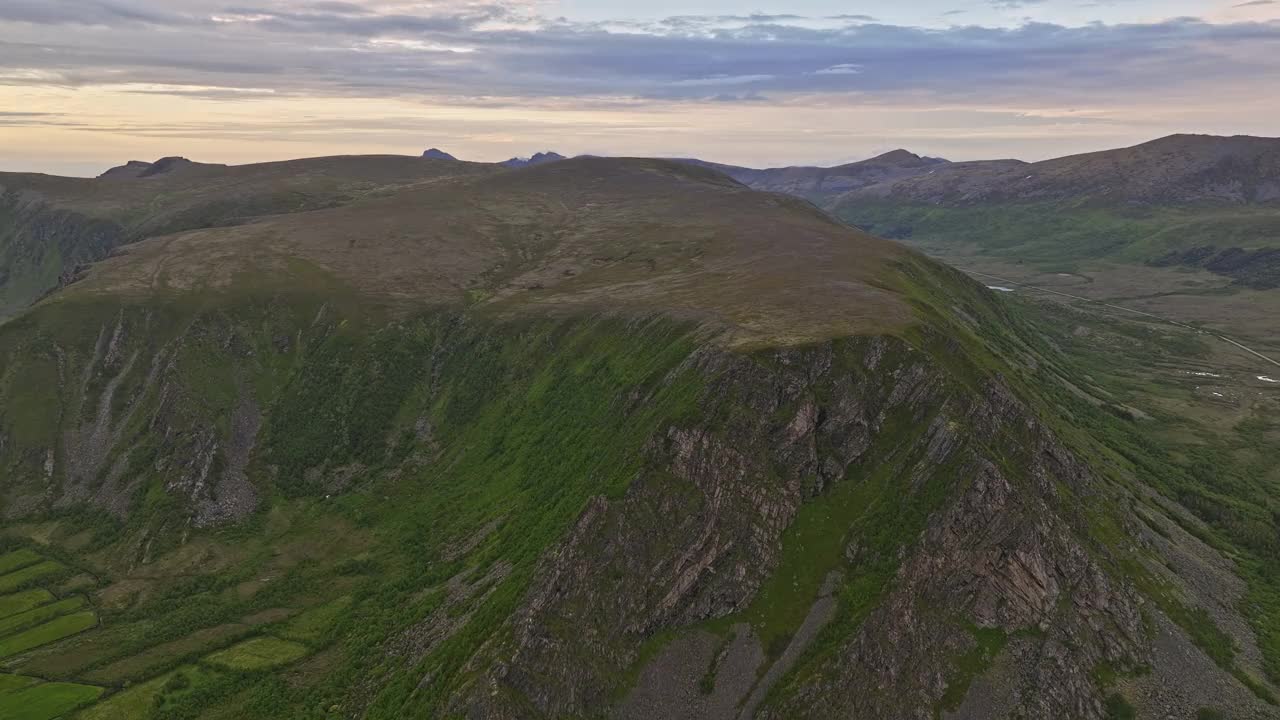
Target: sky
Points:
(88, 84)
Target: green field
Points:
(51, 631)
(165, 655)
(23, 601)
(13, 683)
(23, 698)
(310, 626)
(18, 578)
(261, 653)
(18, 559)
(140, 701)
(35, 616)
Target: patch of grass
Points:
(46, 700)
(147, 699)
(312, 625)
(1059, 236)
(23, 601)
(30, 574)
(166, 655)
(988, 642)
(10, 683)
(35, 616)
(262, 653)
(52, 631)
(18, 559)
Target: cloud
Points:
(841, 69)
(1255, 3)
(495, 49)
(1014, 4)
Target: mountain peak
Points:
(535, 159)
(437, 154)
(903, 158)
(131, 169)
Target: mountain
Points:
(591, 438)
(130, 170)
(821, 182)
(1179, 169)
(1190, 201)
(435, 154)
(536, 159)
(49, 226)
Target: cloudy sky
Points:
(85, 84)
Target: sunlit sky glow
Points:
(86, 84)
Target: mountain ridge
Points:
(600, 437)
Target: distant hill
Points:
(820, 182)
(437, 154)
(1185, 200)
(1178, 169)
(49, 226)
(536, 159)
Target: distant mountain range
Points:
(1174, 169)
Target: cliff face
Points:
(860, 527)
(917, 528)
(42, 248)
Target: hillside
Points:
(1179, 169)
(818, 183)
(50, 225)
(1152, 203)
(594, 438)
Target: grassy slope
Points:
(526, 421)
(1189, 445)
(50, 225)
(1062, 237)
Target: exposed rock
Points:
(1000, 555)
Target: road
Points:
(1218, 335)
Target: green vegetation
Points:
(10, 683)
(1219, 470)
(51, 631)
(23, 620)
(24, 698)
(865, 508)
(261, 653)
(18, 559)
(26, 576)
(313, 625)
(988, 642)
(1059, 237)
(23, 601)
(156, 697)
